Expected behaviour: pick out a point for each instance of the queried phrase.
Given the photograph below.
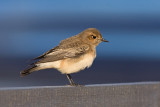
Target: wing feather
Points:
(60, 54)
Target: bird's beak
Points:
(103, 40)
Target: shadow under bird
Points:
(71, 55)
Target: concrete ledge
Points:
(143, 94)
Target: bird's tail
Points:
(29, 70)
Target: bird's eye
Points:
(94, 37)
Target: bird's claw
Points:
(76, 85)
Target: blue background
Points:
(30, 28)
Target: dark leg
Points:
(70, 80)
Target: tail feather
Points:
(28, 70)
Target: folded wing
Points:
(59, 54)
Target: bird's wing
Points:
(60, 54)
(63, 44)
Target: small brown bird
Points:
(71, 55)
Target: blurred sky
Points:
(116, 6)
(29, 28)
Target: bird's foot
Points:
(75, 85)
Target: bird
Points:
(71, 55)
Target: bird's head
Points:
(92, 36)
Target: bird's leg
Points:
(70, 80)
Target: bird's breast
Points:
(72, 65)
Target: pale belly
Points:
(70, 65)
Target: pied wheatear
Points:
(71, 55)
